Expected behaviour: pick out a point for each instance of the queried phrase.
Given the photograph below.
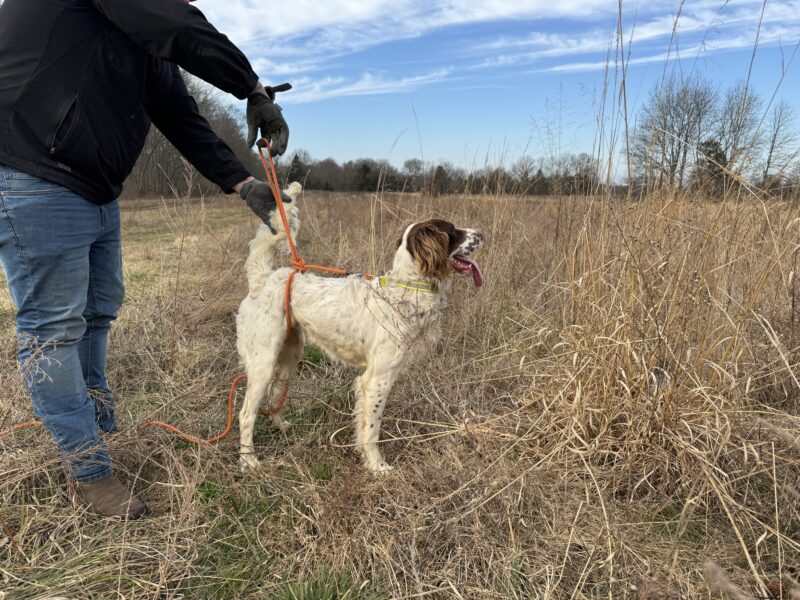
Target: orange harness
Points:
(299, 266)
(298, 263)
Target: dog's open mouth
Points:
(466, 266)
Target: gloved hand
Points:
(258, 197)
(263, 114)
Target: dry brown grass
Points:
(535, 458)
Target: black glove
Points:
(264, 114)
(258, 196)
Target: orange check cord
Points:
(299, 266)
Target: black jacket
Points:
(82, 80)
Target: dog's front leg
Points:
(372, 390)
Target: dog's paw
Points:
(380, 467)
(282, 424)
(248, 462)
(294, 190)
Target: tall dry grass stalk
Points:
(616, 407)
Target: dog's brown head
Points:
(438, 248)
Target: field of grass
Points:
(615, 415)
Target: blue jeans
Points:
(62, 259)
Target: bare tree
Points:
(523, 172)
(737, 128)
(414, 170)
(678, 115)
(781, 144)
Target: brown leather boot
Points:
(109, 498)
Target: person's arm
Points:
(173, 110)
(178, 32)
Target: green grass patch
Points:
(308, 413)
(325, 586)
(693, 531)
(234, 559)
(208, 491)
(315, 356)
(322, 472)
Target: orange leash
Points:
(298, 263)
(21, 426)
(188, 438)
(194, 440)
(178, 432)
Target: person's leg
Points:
(46, 234)
(105, 296)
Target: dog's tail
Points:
(266, 243)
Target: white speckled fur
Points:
(353, 320)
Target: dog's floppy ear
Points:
(429, 246)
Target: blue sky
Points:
(493, 79)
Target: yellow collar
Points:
(414, 285)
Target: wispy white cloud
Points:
(335, 28)
(320, 45)
(774, 36)
(258, 20)
(310, 90)
(700, 26)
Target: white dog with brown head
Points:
(378, 325)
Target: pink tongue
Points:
(475, 271)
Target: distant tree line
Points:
(569, 174)
(687, 136)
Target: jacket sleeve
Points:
(175, 113)
(178, 32)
